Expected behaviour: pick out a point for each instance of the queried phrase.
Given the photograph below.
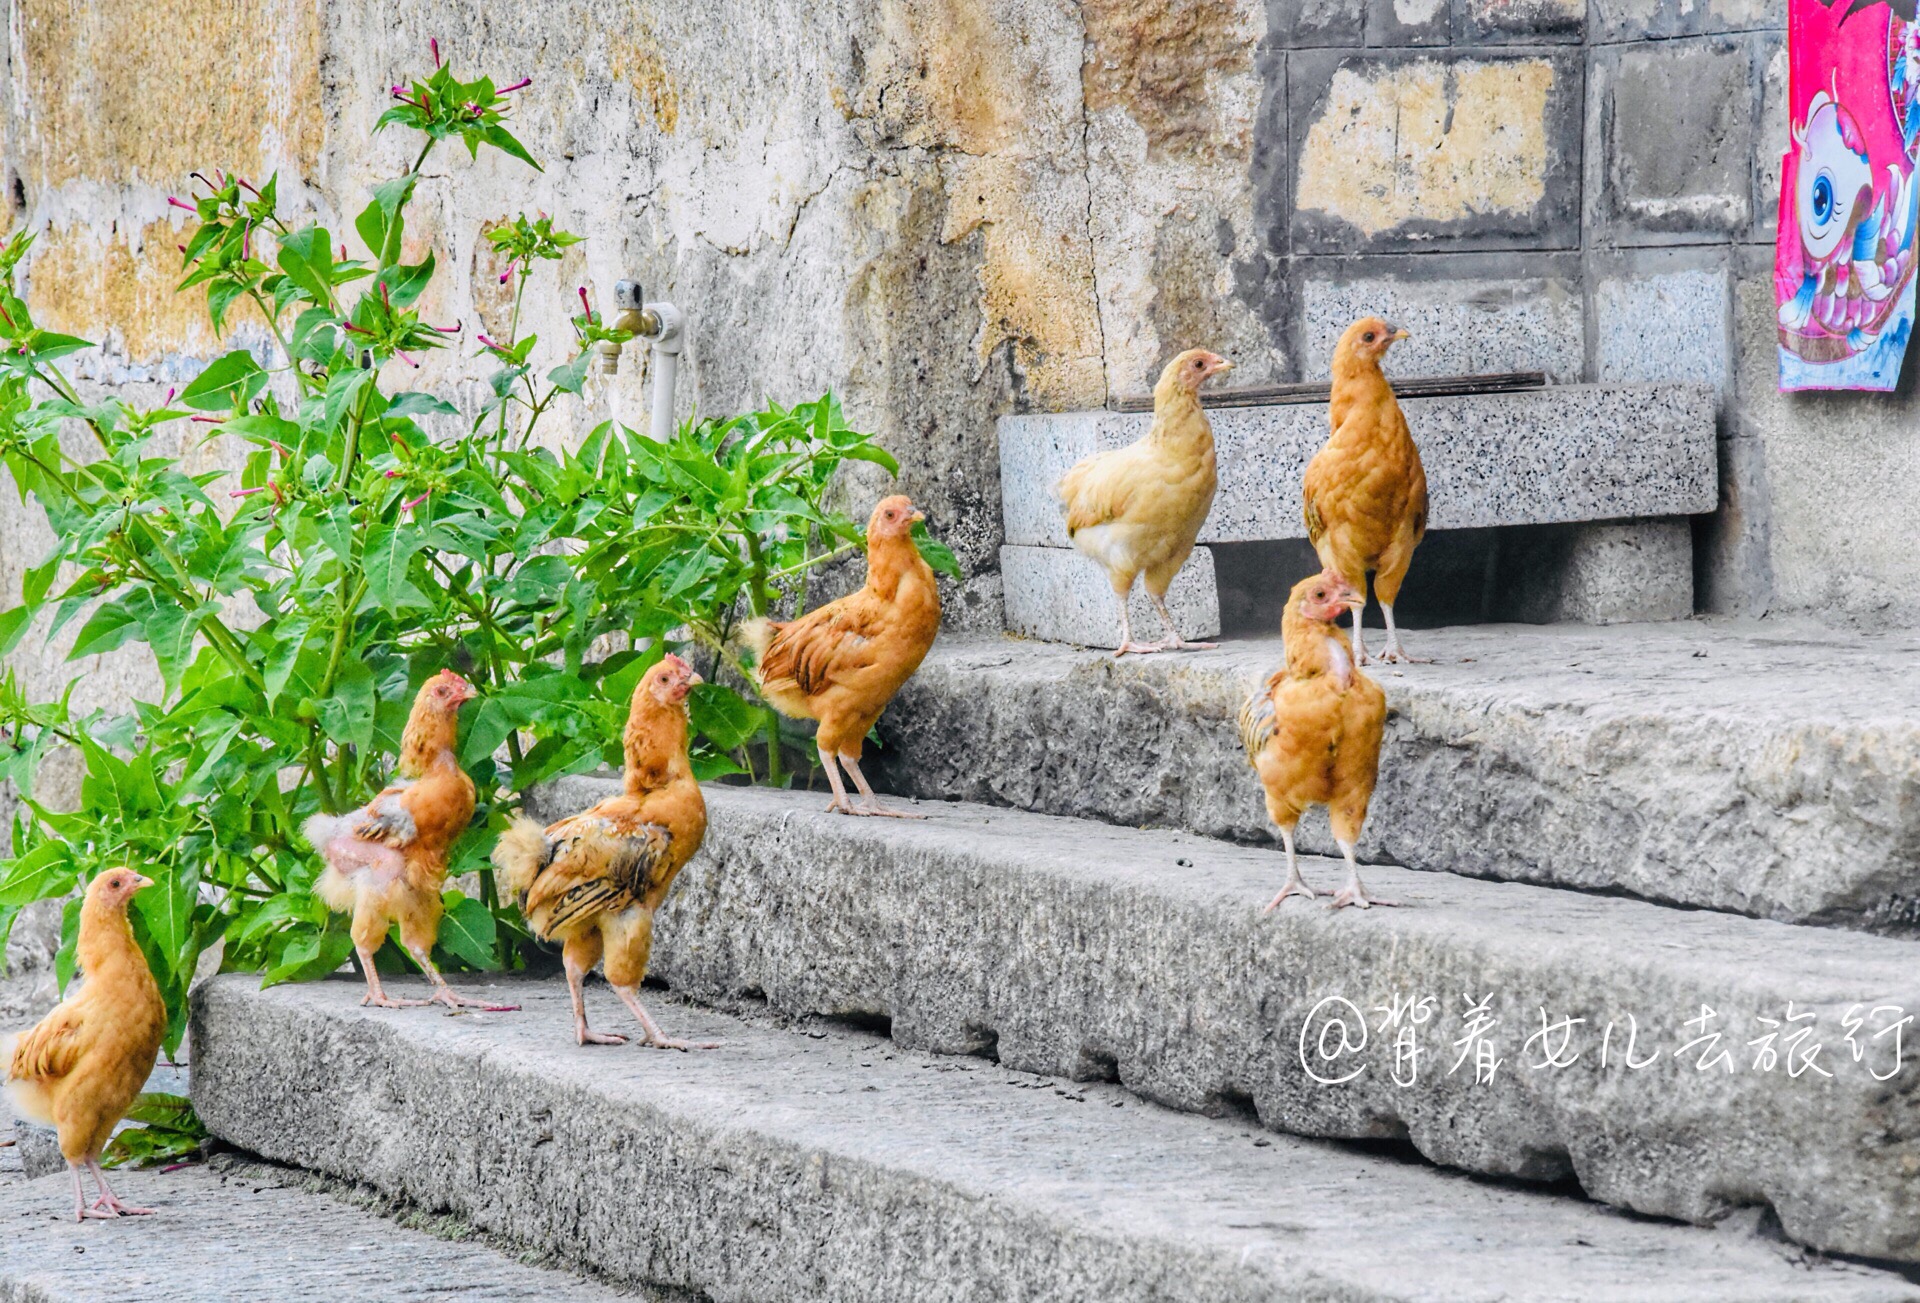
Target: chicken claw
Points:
(653, 1037)
(1137, 648)
(1296, 886)
(1357, 898)
(588, 1037)
(454, 1000)
(375, 1000)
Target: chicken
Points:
(842, 663)
(1137, 510)
(1313, 733)
(82, 1067)
(386, 861)
(593, 881)
(1365, 492)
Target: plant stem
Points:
(758, 600)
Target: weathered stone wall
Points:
(947, 209)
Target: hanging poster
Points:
(1844, 257)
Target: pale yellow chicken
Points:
(1313, 732)
(1137, 510)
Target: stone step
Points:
(832, 1163)
(244, 1232)
(1072, 947)
(1766, 768)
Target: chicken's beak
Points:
(1219, 368)
(1399, 334)
(693, 679)
(140, 881)
(916, 517)
(1354, 602)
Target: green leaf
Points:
(42, 873)
(383, 222)
(110, 626)
(723, 716)
(347, 712)
(467, 932)
(414, 403)
(870, 452)
(228, 382)
(306, 257)
(935, 553)
(390, 549)
(572, 377)
(13, 627)
(310, 956)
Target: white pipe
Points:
(667, 344)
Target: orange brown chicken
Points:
(82, 1067)
(593, 881)
(1137, 510)
(842, 664)
(1365, 494)
(387, 861)
(1313, 732)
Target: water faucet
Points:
(662, 325)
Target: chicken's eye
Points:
(1368, 336)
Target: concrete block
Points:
(1085, 949)
(1461, 324)
(1500, 22)
(1670, 140)
(1665, 325)
(1633, 20)
(1393, 151)
(1312, 23)
(1061, 596)
(1566, 453)
(1607, 573)
(1770, 141)
(240, 1232)
(1699, 763)
(829, 1163)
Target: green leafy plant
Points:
(373, 535)
(169, 1131)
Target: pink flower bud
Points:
(277, 447)
(585, 305)
(489, 343)
(411, 503)
(522, 84)
(247, 493)
(177, 203)
(170, 394)
(207, 420)
(392, 475)
(434, 45)
(404, 358)
(505, 275)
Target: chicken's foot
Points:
(109, 1204)
(444, 994)
(81, 1212)
(1296, 885)
(376, 997)
(1353, 893)
(1393, 650)
(654, 1036)
(1360, 656)
(873, 806)
(1173, 640)
(581, 1033)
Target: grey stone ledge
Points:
(1546, 456)
(1061, 596)
(1770, 769)
(245, 1237)
(839, 1165)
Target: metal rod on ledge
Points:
(1505, 382)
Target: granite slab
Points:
(1061, 596)
(1545, 456)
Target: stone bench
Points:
(1621, 466)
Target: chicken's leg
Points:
(80, 1210)
(654, 1036)
(1360, 656)
(1393, 651)
(1127, 644)
(873, 805)
(444, 994)
(376, 997)
(1296, 885)
(580, 1031)
(109, 1202)
(1353, 893)
(839, 804)
(1174, 642)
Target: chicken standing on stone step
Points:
(842, 663)
(83, 1066)
(593, 881)
(1313, 732)
(1137, 510)
(1365, 493)
(387, 861)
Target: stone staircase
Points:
(1652, 955)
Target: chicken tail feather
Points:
(522, 851)
(756, 635)
(28, 1097)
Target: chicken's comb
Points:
(675, 661)
(449, 676)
